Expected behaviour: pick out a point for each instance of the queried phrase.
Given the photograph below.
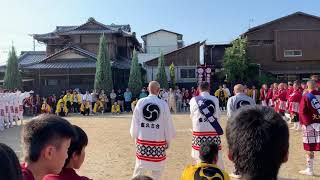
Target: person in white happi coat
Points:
(16, 106)
(12, 115)
(172, 101)
(234, 103)
(238, 100)
(165, 95)
(153, 130)
(2, 125)
(21, 98)
(205, 122)
(6, 103)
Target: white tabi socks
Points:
(309, 170)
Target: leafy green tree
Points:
(235, 62)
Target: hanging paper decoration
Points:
(204, 73)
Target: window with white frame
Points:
(187, 73)
(292, 53)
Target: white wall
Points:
(161, 41)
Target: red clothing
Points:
(26, 173)
(294, 101)
(66, 174)
(289, 92)
(187, 96)
(307, 113)
(263, 94)
(274, 100)
(269, 96)
(274, 94)
(197, 93)
(281, 100)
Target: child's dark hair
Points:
(77, 143)
(43, 130)
(258, 140)
(9, 164)
(208, 152)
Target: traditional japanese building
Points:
(71, 54)
(185, 59)
(287, 47)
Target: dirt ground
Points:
(110, 154)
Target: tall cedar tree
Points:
(12, 78)
(135, 83)
(161, 76)
(103, 78)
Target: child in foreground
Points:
(9, 164)
(76, 155)
(207, 169)
(45, 140)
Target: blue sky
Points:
(212, 20)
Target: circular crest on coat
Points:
(210, 105)
(208, 173)
(315, 104)
(242, 103)
(151, 112)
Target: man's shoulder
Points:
(151, 99)
(208, 96)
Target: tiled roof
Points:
(161, 30)
(78, 64)
(89, 31)
(31, 57)
(281, 19)
(2, 68)
(38, 60)
(68, 30)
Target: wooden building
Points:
(213, 54)
(185, 59)
(71, 54)
(287, 47)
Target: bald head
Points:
(239, 88)
(154, 87)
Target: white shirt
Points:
(237, 101)
(113, 95)
(199, 125)
(165, 96)
(151, 127)
(87, 97)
